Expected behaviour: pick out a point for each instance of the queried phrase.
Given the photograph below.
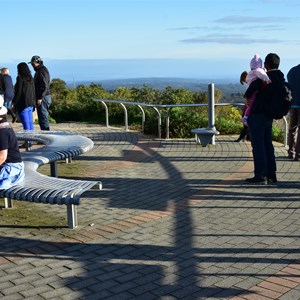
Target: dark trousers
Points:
(43, 113)
(294, 133)
(260, 129)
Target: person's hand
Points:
(39, 102)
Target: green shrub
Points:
(78, 105)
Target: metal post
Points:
(159, 122)
(211, 109)
(285, 131)
(106, 113)
(72, 216)
(53, 169)
(143, 117)
(125, 116)
(168, 122)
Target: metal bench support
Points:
(53, 169)
(72, 216)
(8, 203)
(204, 136)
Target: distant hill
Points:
(225, 86)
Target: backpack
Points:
(281, 101)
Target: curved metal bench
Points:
(52, 190)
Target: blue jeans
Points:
(260, 129)
(26, 118)
(43, 113)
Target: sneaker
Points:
(239, 140)
(256, 180)
(272, 180)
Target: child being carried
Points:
(256, 72)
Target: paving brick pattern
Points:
(174, 221)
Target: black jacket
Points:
(2, 85)
(9, 87)
(41, 82)
(24, 94)
(265, 92)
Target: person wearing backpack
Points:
(293, 77)
(260, 123)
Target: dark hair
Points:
(24, 71)
(243, 77)
(272, 60)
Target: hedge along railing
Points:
(211, 111)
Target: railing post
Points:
(143, 117)
(106, 113)
(125, 116)
(285, 131)
(211, 109)
(168, 123)
(159, 122)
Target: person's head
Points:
(243, 77)
(4, 71)
(256, 62)
(35, 61)
(23, 70)
(3, 109)
(272, 61)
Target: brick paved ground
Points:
(173, 221)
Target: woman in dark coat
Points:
(24, 99)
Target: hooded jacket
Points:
(41, 81)
(265, 92)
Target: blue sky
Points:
(213, 36)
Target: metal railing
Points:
(211, 111)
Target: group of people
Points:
(28, 93)
(34, 92)
(262, 82)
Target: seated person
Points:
(11, 165)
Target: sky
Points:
(149, 38)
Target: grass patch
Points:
(30, 214)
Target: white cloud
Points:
(249, 19)
(231, 39)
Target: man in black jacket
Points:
(42, 91)
(260, 124)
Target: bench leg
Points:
(8, 203)
(53, 169)
(72, 216)
(68, 160)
